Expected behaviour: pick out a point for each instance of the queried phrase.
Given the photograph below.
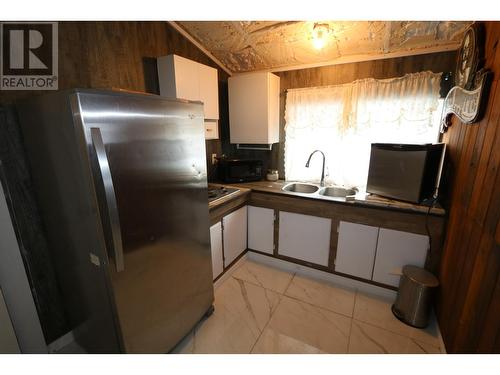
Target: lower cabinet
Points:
(216, 245)
(363, 251)
(396, 249)
(234, 234)
(304, 237)
(261, 229)
(378, 254)
(356, 248)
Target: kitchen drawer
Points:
(211, 130)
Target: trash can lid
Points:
(421, 276)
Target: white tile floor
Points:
(260, 309)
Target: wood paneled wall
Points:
(469, 298)
(122, 55)
(345, 73)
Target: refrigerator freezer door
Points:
(155, 150)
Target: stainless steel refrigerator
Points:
(121, 183)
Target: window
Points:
(343, 120)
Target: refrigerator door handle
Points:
(111, 204)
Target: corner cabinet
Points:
(186, 79)
(234, 234)
(254, 108)
(261, 229)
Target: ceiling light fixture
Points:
(320, 34)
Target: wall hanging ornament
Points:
(468, 97)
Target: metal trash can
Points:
(413, 302)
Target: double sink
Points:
(319, 192)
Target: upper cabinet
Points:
(209, 90)
(254, 108)
(186, 79)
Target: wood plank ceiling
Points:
(244, 46)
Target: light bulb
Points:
(319, 43)
(320, 33)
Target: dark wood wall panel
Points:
(122, 55)
(345, 73)
(468, 303)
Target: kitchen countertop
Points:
(365, 200)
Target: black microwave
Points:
(240, 170)
(408, 172)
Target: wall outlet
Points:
(214, 159)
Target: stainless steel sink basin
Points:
(337, 191)
(297, 187)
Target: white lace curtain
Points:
(344, 120)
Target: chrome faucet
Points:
(322, 183)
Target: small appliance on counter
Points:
(240, 170)
(272, 175)
(408, 172)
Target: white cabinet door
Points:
(254, 108)
(209, 91)
(186, 79)
(178, 77)
(304, 237)
(261, 229)
(396, 249)
(235, 234)
(166, 76)
(356, 249)
(216, 245)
